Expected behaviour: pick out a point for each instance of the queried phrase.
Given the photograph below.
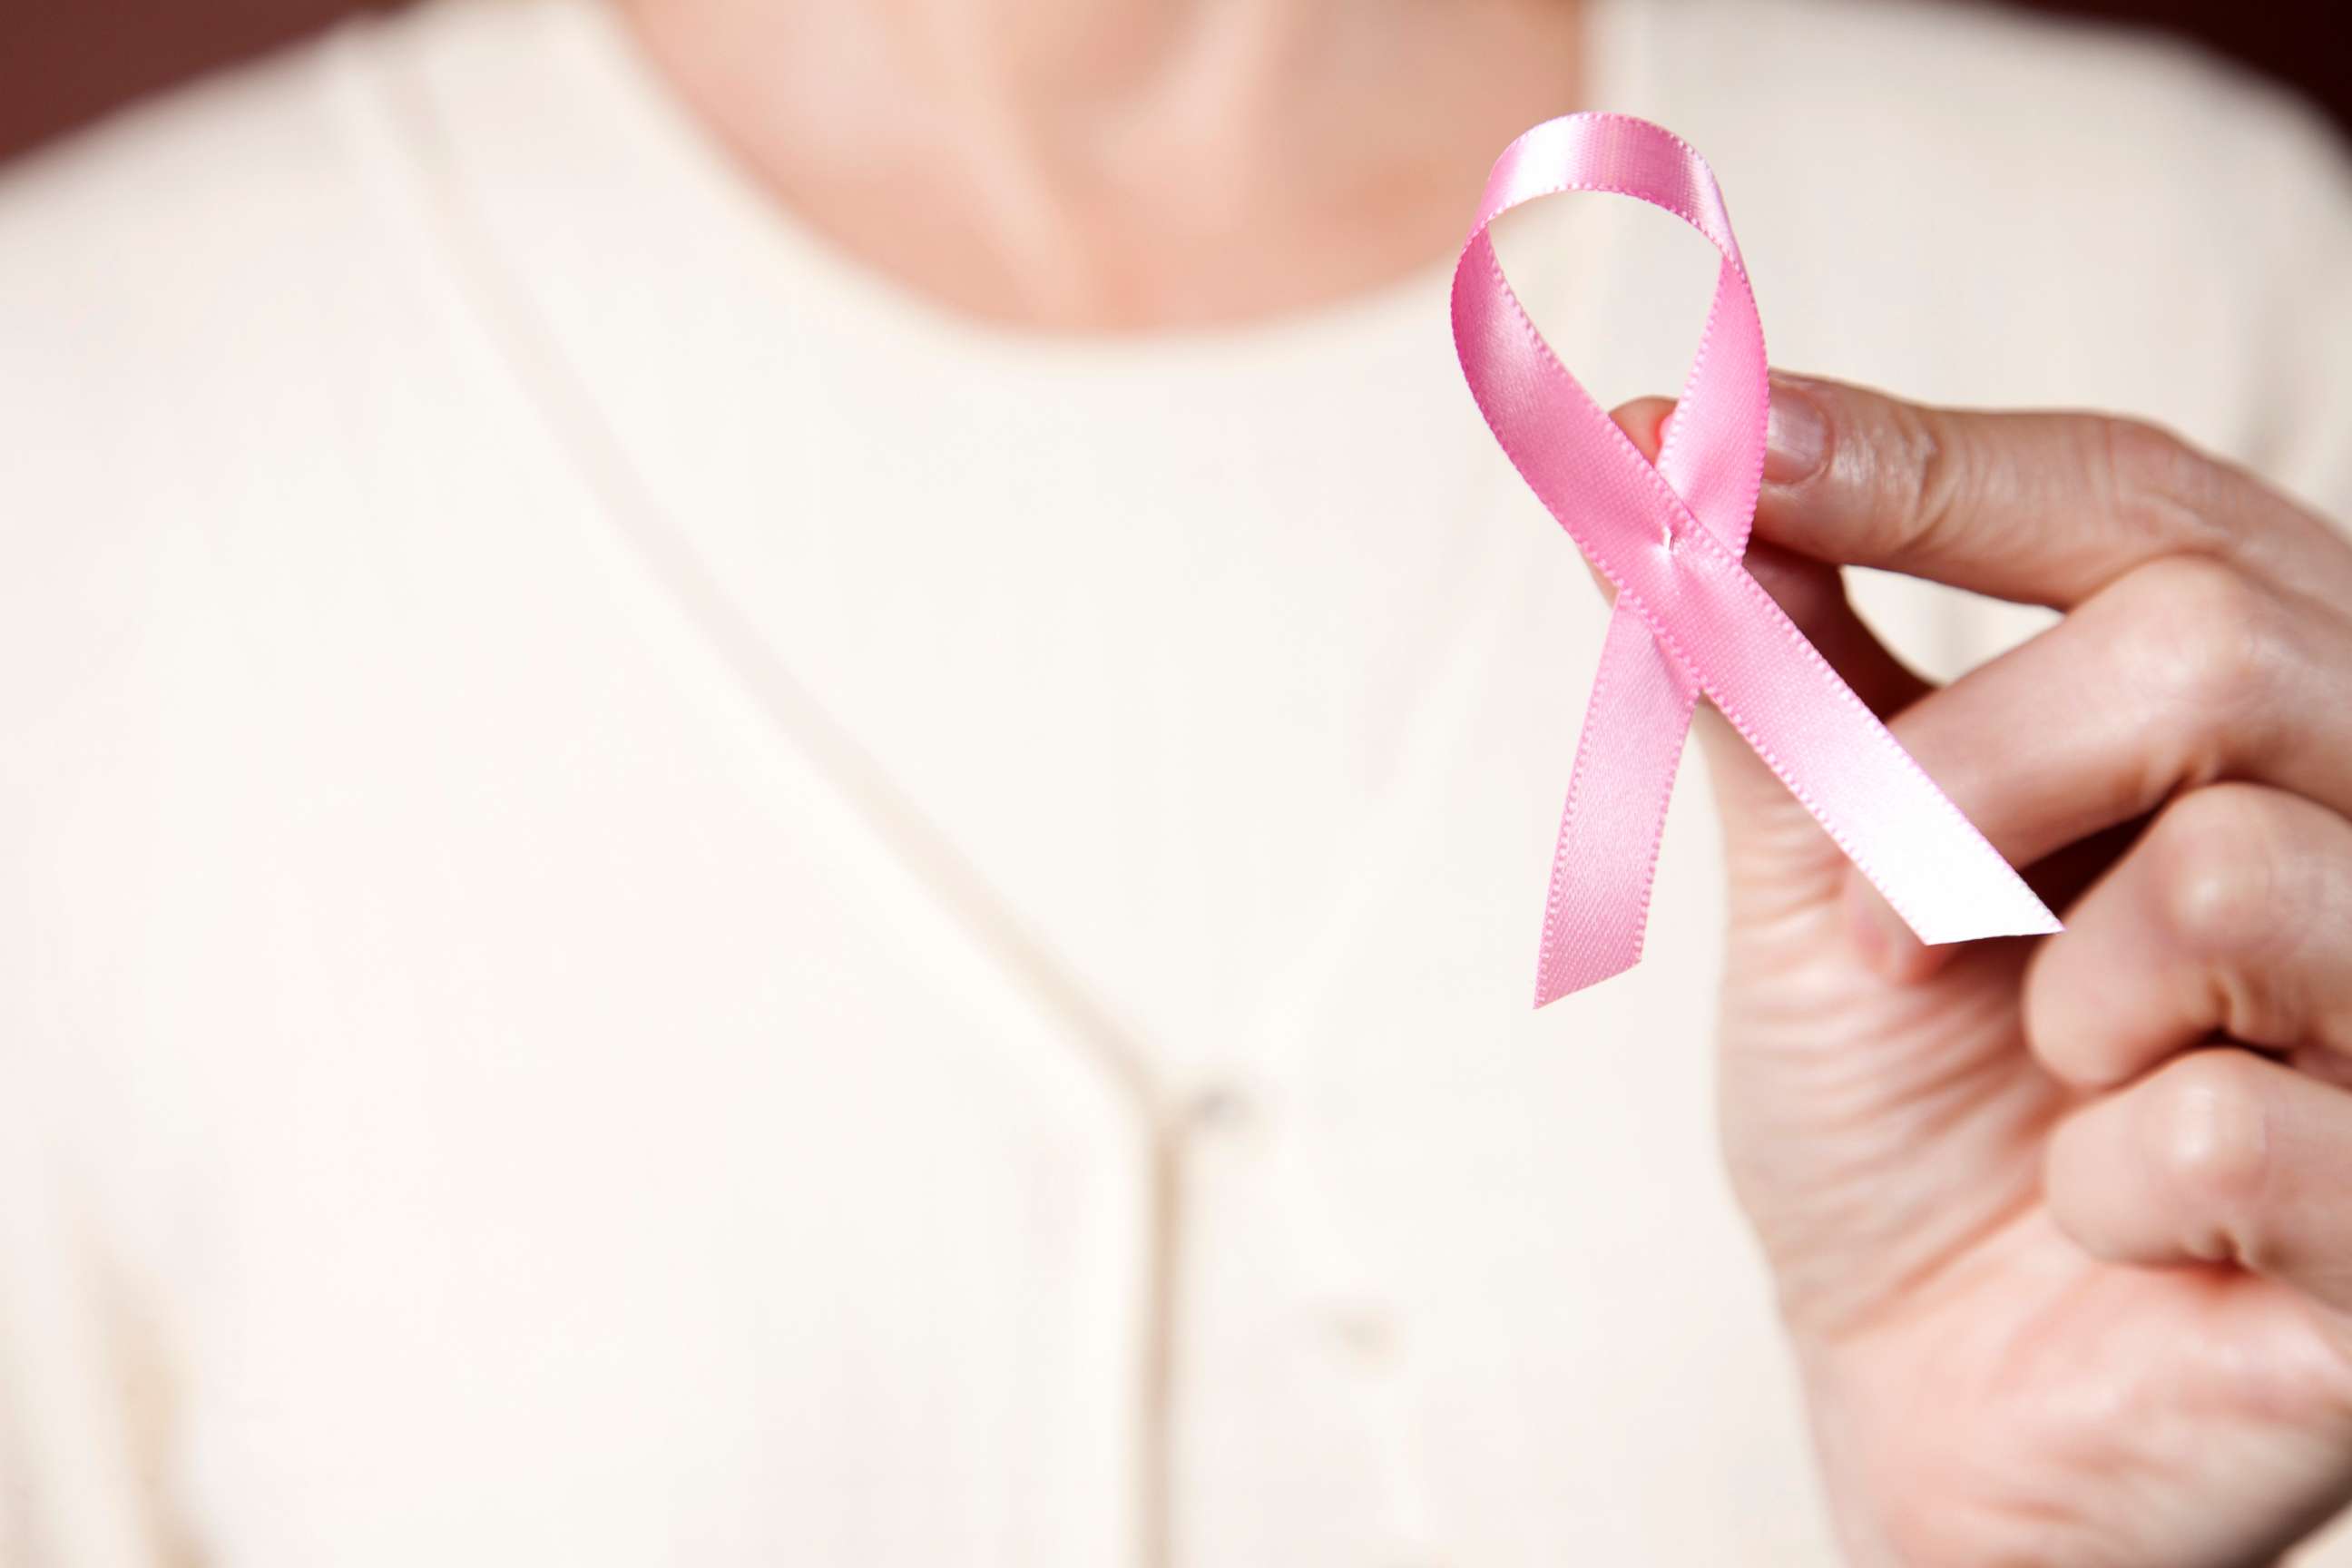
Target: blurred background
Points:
(62, 64)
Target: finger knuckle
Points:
(2155, 482)
(2215, 871)
(2205, 1136)
(1930, 474)
(2202, 642)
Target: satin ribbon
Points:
(1689, 619)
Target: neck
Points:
(1109, 165)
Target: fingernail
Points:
(1796, 435)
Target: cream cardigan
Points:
(623, 941)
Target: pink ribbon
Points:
(1689, 619)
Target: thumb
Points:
(1775, 854)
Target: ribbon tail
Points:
(1846, 767)
(1626, 758)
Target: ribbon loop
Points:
(1689, 619)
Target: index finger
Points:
(2043, 508)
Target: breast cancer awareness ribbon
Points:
(1690, 618)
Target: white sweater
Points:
(659, 906)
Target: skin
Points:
(1121, 165)
(2054, 1224)
(2058, 1225)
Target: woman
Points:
(784, 773)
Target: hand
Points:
(2062, 1230)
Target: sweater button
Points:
(1367, 1334)
(1216, 1108)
